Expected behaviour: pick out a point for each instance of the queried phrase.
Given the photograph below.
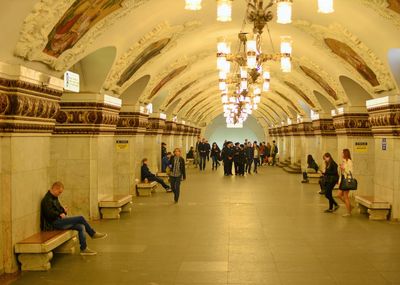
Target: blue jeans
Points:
(202, 162)
(77, 223)
(176, 186)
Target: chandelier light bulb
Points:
(284, 11)
(243, 85)
(267, 75)
(193, 5)
(222, 85)
(286, 45)
(286, 64)
(224, 98)
(257, 91)
(222, 75)
(266, 86)
(325, 6)
(243, 72)
(257, 99)
(224, 10)
(255, 107)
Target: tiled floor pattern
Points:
(261, 229)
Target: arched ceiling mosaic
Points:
(176, 49)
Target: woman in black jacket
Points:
(177, 173)
(331, 178)
(215, 156)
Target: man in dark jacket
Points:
(53, 216)
(146, 174)
(202, 148)
(177, 173)
(236, 150)
(228, 158)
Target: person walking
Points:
(331, 178)
(177, 173)
(227, 156)
(215, 156)
(249, 157)
(274, 152)
(241, 160)
(267, 153)
(346, 169)
(262, 153)
(236, 150)
(256, 157)
(202, 147)
(208, 150)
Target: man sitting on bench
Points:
(53, 216)
(146, 174)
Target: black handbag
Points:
(348, 183)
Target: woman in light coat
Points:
(346, 168)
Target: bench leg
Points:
(110, 213)
(35, 261)
(362, 209)
(127, 208)
(378, 215)
(68, 247)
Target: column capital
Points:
(352, 124)
(324, 127)
(132, 123)
(384, 115)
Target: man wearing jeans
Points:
(53, 216)
(177, 173)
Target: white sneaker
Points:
(88, 251)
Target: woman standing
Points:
(331, 177)
(177, 174)
(215, 156)
(346, 168)
(256, 156)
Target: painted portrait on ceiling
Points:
(76, 21)
(317, 78)
(288, 100)
(183, 89)
(350, 56)
(166, 79)
(148, 53)
(189, 100)
(301, 93)
(394, 5)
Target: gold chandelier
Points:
(284, 8)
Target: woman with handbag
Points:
(346, 168)
(330, 178)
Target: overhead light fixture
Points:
(325, 6)
(286, 54)
(224, 10)
(284, 11)
(193, 5)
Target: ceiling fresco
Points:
(167, 79)
(318, 79)
(301, 93)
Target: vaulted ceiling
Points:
(155, 51)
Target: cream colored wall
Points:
(25, 166)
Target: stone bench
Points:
(146, 189)
(190, 162)
(35, 252)
(375, 207)
(164, 176)
(112, 206)
(313, 178)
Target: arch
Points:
(94, 68)
(354, 91)
(394, 63)
(131, 95)
(326, 105)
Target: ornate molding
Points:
(159, 32)
(170, 128)
(45, 15)
(155, 126)
(27, 107)
(352, 125)
(305, 129)
(131, 123)
(324, 127)
(338, 32)
(86, 118)
(382, 8)
(385, 120)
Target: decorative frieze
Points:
(292, 130)
(155, 126)
(86, 118)
(132, 123)
(305, 129)
(27, 107)
(170, 128)
(352, 124)
(384, 118)
(324, 127)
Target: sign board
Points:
(122, 145)
(361, 147)
(71, 81)
(384, 144)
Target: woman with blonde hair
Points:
(346, 168)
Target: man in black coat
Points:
(236, 150)
(202, 147)
(228, 158)
(53, 216)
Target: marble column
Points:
(82, 150)
(129, 150)
(152, 141)
(326, 139)
(307, 141)
(29, 102)
(178, 137)
(353, 132)
(384, 117)
(295, 145)
(287, 143)
(168, 134)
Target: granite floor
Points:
(261, 229)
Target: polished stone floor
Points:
(261, 229)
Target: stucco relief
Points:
(388, 9)
(340, 33)
(158, 34)
(38, 26)
(151, 89)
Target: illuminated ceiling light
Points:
(243, 72)
(325, 6)
(286, 54)
(251, 51)
(222, 75)
(224, 10)
(286, 64)
(284, 11)
(222, 85)
(193, 5)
